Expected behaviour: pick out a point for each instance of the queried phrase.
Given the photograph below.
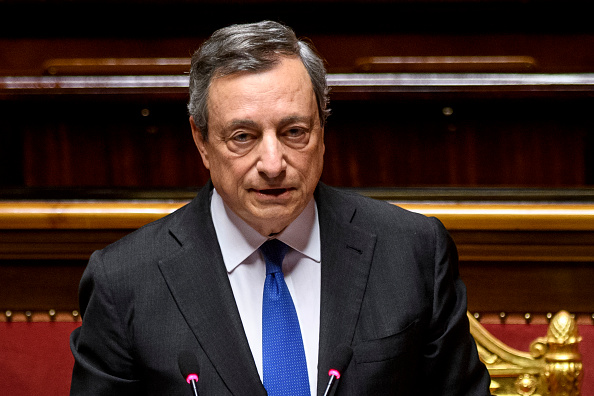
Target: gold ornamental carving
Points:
(552, 367)
(526, 385)
(563, 370)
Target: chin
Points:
(275, 223)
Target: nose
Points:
(271, 161)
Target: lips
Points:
(273, 191)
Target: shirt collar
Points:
(238, 240)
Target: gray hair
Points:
(250, 47)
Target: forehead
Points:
(286, 85)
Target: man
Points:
(359, 272)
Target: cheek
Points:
(315, 161)
(310, 170)
(230, 172)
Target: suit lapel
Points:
(346, 258)
(198, 281)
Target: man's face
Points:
(265, 143)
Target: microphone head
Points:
(188, 365)
(340, 360)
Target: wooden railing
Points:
(483, 231)
(340, 83)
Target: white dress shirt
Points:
(247, 272)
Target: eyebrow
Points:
(295, 118)
(241, 123)
(253, 124)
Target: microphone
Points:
(340, 361)
(188, 366)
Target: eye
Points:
(295, 132)
(241, 137)
(241, 141)
(295, 136)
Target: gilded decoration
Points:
(552, 367)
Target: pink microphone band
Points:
(192, 377)
(334, 372)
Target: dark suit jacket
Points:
(390, 290)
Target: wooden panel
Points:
(374, 64)
(555, 33)
(450, 142)
(385, 131)
(40, 285)
(529, 286)
(446, 64)
(116, 66)
(552, 53)
(519, 246)
(87, 143)
(60, 245)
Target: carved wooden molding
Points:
(552, 367)
(482, 232)
(455, 216)
(345, 83)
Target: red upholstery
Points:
(35, 358)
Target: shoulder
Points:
(148, 237)
(120, 271)
(157, 240)
(373, 214)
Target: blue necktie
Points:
(283, 355)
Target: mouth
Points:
(274, 192)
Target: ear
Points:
(199, 142)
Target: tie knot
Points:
(274, 252)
